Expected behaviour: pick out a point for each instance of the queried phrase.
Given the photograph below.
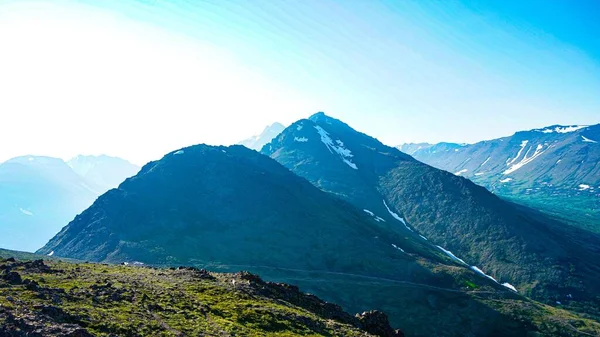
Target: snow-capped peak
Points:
(337, 147)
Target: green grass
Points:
(126, 300)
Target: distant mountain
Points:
(40, 195)
(510, 243)
(555, 169)
(104, 171)
(257, 142)
(230, 208)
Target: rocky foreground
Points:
(54, 298)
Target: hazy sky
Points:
(140, 78)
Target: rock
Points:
(80, 333)
(12, 277)
(377, 323)
(248, 276)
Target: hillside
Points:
(55, 298)
(555, 169)
(541, 257)
(231, 209)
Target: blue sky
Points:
(160, 75)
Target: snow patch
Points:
(51, 253)
(485, 161)
(460, 172)
(396, 216)
(378, 219)
(538, 152)
(400, 249)
(344, 153)
(479, 174)
(301, 139)
(583, 187)
(523, 144)
(510, 286)
(479, 271)
(587, 140)
(179, 152)
(422, 237)
(299, 127)
(505, 180)
(454, 257)
(26, 212)
(563, 129)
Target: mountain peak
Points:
(256, 142)
(322, 117)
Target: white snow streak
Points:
(344, 153)
(485, 162)
(460, 172)
(299, 127)
(378, 219)
(510, 286)
(400, 249)
(583, 187)
(396, 216)
(587, 140)
(301, 139)
(454, 257)
(479, 271)
(179, 152)
(422, 237)
(525, 161)
(479, 174)
(26, 212)
(51, 253)
(523, 144)
(505, 180)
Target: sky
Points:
(138, 79)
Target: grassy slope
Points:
(126, 300)
(139, 301)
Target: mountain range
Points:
(40, 195)
(258, 141)
(510, 243)
(555, 169)
(353, 221)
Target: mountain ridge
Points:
(430, 201)
(542, 168)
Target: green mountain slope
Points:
(231, 209)
(541, 257)
(555, 169)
